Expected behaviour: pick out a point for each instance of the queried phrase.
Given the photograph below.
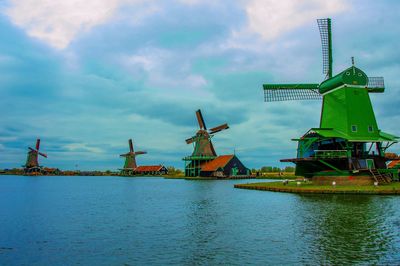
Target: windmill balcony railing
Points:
(331, 154)
(199, 157)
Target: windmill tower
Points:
(32, 164)
(203, 148)
(130, 160)
(348, 141)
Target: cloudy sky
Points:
(85, 76)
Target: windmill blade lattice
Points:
(376, 84)
(324, 26)
(291, 92)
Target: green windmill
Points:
(348, 146)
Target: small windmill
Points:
(347, 122)
(130, 160)
(203, 148)
(32, 163)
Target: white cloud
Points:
(7, 139)
(148, 59)
(6, 59)
(191, 2)
(59, 22)
(82, 147)
(160, 69)
(270, 18)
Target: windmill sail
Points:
(376, 84)
(37, 144)
(191, 140)
(324, 26)
(219, 128)
(200, 119)
(290, 92)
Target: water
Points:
(53, 220)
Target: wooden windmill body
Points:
(203, 150)
(32, 166)
(130, 160)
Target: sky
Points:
(85, 76)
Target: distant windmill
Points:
(130, 160)
(203, 148)
(203, 145)
(32, 163)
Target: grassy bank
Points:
(292, 187)
(277, 175)
(272, 175)
(174, 176)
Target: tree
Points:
(266, 169)
(289, 169)
(276, 169)
(174, 171)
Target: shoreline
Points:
(309, 188)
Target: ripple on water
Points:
(136, 221)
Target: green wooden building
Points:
(348, 145)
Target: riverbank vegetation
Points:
(309, 187)
(272, 172)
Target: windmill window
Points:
(354, 128)
(348, 73)
(359, 74)
(370, 129)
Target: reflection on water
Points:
(202, 215)
(142, 221)
(349, 228)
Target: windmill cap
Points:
(352, 76)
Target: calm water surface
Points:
(154, 221)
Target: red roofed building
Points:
(151, 170)
(394, 164)
(224, 166)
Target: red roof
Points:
(218, 162)
(393, 163)
(149, 168)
